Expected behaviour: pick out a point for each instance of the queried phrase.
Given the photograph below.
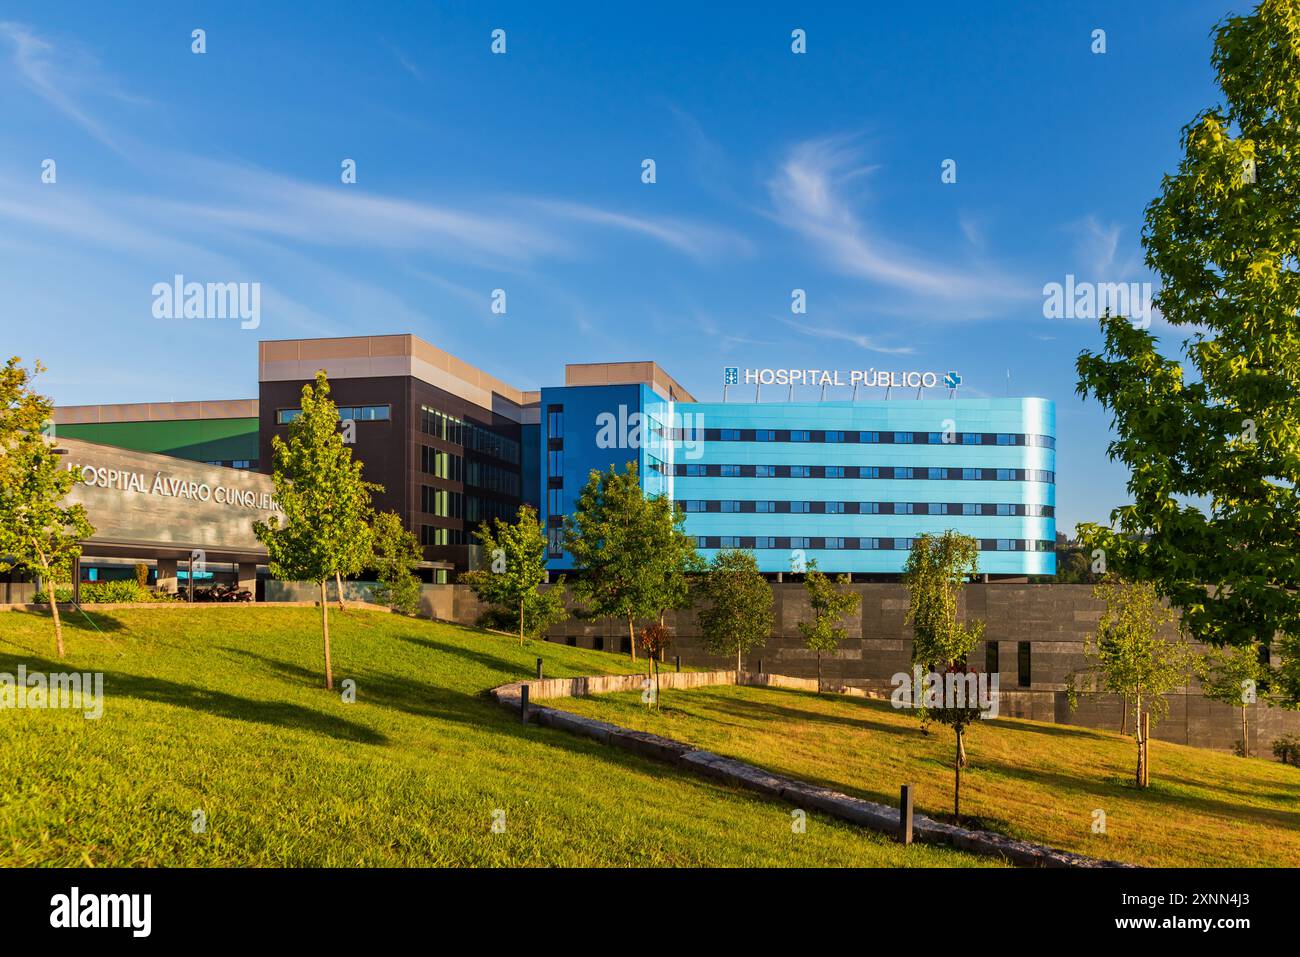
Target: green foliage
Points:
(319, 488)
(1127, 656)
(830, 602)
(937, 568)
(141, 572)
(1233, 675)
(515, 553)
(37, 530)
(1287, 749)
(633, 551)
(396, 555)
(736, 604)
(1222, 236)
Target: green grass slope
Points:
(1041, 782)
(222, 710)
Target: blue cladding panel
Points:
(703, 443)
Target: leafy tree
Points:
(357, 548)
(320, 490)
(937, 568)
(516, 554)
(736, 605)
(1128, 656)
(655, 639)
(36, 529)
(632, 551)
(396, 553)
(1236, 676)
(831, 601)
(1222, 237)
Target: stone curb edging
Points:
(878, 817)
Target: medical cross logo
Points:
(952, 380)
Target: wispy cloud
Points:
(697, 240)
(63, 77)
(808, 197)
(857, 339)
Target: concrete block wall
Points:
(1054, 619)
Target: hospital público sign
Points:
(148, 500)
(866, 378)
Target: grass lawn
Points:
(223, 710)
(1027, 779)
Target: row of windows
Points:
(432, 535)
(1024, 662)
(492, 477)
(445, 465)
(836, 436)
(836, 543)
(235, 463)
(868, 508)
(697, 470)
(469, 435)
(357, 413)
(448, 504)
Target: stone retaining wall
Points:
(878, 817)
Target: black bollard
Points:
(523, 704)
(905, 814)
(677, 660)
(539, 669)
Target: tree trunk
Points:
(338, 584)
(1137, 733)
(1123, 715)
(961, 750)
(325, 630)
(738, 662)
(1245, 734)
(54, 608)
(631, 636)
(819, 671)
(521, 622)
(958, 761)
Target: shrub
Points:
(1287, 749)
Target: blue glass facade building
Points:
(848, 484)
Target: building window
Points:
(554, 501)
(765, 471)
(730, 435)
(903, 472)
(1005, 439)
(836, 436)
(902, 438)
(697, 470)
(285, 416)
(729, 541)
(555, 462)
(835, 471)
(365, 413)
(764, 435)
(765, 506)
(869, 438)
(970, 508)
(555, 542)
(695, 505)
(729, 471)
(904, 508)
(555, 421)
(765, 541)
(834, 543)
(1023, 674)
(869, 472)
(800, 435)
(1006, 475)
(834, 508)
(937, 475)
(937, 508)
(970, 475)
(868, 508)
(991, 665)
(800, 506)
(731, 506)
(798, 542)
(972, 438)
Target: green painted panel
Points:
(200, 440)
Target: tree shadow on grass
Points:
(161, 691)
(509, 670)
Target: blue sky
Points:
(522, 172)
